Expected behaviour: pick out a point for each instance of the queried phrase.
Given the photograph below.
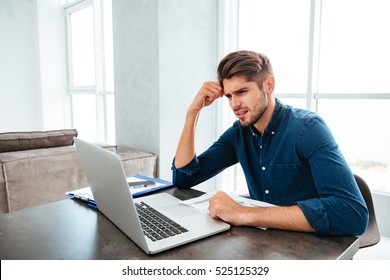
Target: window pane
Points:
(241, 184)
(270, 27)
(84, 116)
(83, 54)
(110, 109)
(355, 46)
(295, 102)
(108, 47)
(363, 134)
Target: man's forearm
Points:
(186, 148)
(208, 93)
(288, 218)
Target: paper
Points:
(202, 202)
(83, 194)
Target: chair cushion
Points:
(18, 141)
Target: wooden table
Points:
(70, 229)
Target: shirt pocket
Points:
(288, 178)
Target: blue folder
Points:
(143, 188)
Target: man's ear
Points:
(269, 84)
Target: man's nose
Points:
(235, 102)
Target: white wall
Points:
(163, 52)
(136, 55)
(187, 48)
(381, 202)
(53, 65)
(32, 65)
(20, 98)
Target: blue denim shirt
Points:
(295, 161)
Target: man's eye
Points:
(228, 96)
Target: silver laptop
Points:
(172, 223)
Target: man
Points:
(288, 155)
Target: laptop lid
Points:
(109, 186)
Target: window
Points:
(280, 34)
(90, 69)
(330, 57)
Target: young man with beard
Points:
(288, 155)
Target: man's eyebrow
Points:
(236, 91)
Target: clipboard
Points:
(139, 185)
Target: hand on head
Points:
(209, 92)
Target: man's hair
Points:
(253, 66)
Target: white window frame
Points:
(228, 14)
(227, 42)
(99, 89)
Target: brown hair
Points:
(253, 66)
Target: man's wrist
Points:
(193, 111)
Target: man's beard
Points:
(259, 112)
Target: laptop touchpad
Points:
(180, 210)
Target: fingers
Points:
(213, 89)
(209, 92)
(212, 203)
(223, 207)
(220, 204)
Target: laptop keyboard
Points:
(157, 226)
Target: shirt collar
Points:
(275, 120)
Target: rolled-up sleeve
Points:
(340, 208)
(184, 177)
(316, 214)
(215, 159)
(335, 216)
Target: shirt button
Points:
(263, 168)
(266, 191)
(261, 146)
(272, 132)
